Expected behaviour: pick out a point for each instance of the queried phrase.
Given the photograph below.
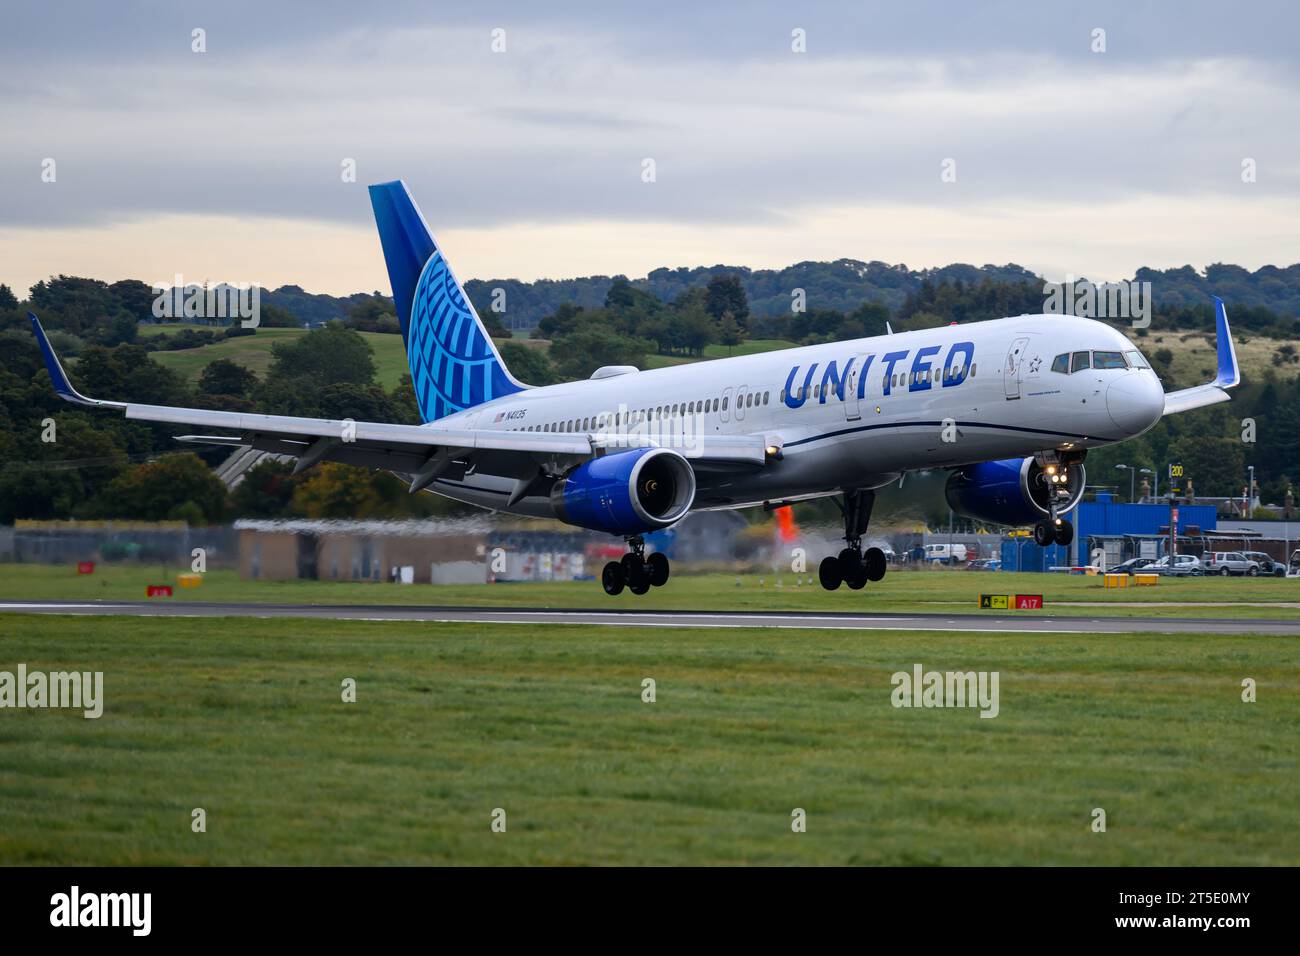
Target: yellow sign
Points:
(994, 602)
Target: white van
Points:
(945, 553)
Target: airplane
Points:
(1011, 406)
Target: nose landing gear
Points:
(852, 566)
(1054, 529)
(635, 571)
(1046, 532)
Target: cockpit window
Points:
(1135, 359)
(1107, 360)
(1062, 363)
(1080, 362)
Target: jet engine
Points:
(627, 493)
(1015, 491)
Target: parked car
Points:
(1293, 566)
(1267, 565)
(945, 553)
(1183, 566)
(1229, 562)
(985, 564)
(1131, 565)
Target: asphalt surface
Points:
(631, 617)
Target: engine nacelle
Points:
(630, 492)
(1015, 491)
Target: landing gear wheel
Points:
(612, 578)
(1044, 534)
(1064, 533)
(657, 568)
(829, 572)
(875, 563)
(640, 584)
(632, 563)
(852, 569)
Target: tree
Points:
(324, 357)
(7, 298)
(1217, 466)
(527, 363)
(135, 298)
(266, 491)
(723, 294)
(586, 349)
(334, 490)
(224, 377)
(127, 373)
(178, 485)
(274, 317)
(58, 479)
(729, 331)
(375, 313)
(363, 403)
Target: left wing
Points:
(1228, 374)
(424, 452)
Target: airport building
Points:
(1113, 532)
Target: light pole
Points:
(1132, 477)
(1155, 476)
(1250, 494)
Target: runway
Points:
(631, 617)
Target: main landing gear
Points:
(852, 566)
(635, 571)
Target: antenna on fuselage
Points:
(888, 330)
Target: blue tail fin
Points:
(454, 364)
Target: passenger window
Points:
(1107, 360)
(1062, 363)
(724, 404)
(766, 396)
(1080, 362)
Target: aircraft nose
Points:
(1135, 401)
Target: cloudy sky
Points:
(227, 164)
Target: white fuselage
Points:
(855, 414)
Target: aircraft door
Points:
(852, 411)
(1011, 368)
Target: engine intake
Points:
(631, 492)
(1014, 491)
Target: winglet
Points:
(62, 386)
(1229, 372)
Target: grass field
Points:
(244, 719)
(254, 353)
(906, 591)
(1194, 356)
(752, 347)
